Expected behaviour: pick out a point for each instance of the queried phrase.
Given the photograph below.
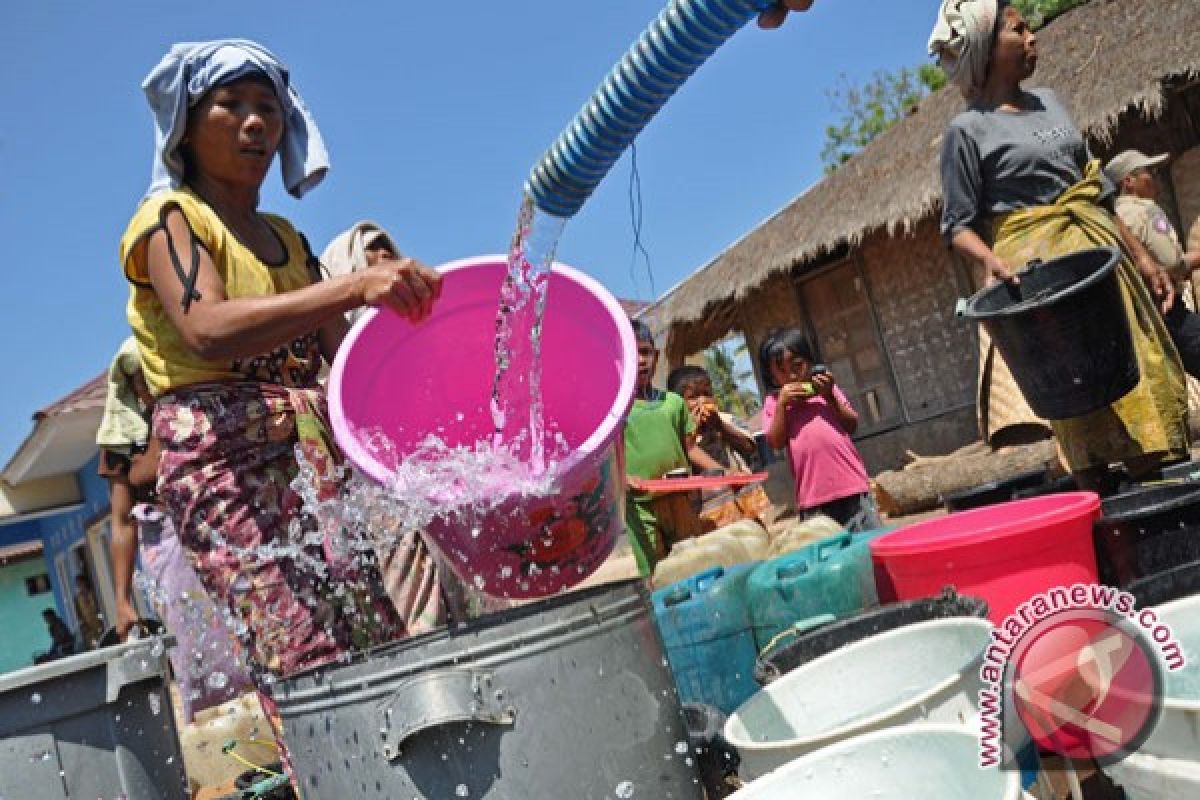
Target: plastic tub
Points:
(1070, 306)
(1148, 530)
(408, 381)
(706, 630)
(568, 697)
(813, 644)
(995, 491)
(1146, 777)
(1005, 553)
(923, 672)
(930, 762)
(99, 724)
(1177, 734)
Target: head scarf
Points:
(962, 42)
(348, 251)
(123, 425)
(189, 71)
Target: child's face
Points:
(790, 368)
(697, 390)
(647, 361)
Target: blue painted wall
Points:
(58, 534)
(25, 633)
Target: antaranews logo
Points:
(1082, 668)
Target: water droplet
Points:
(461, 790)
(155, 704)
(681, 747)
(35, 698)
(625, 790)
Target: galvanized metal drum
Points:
(570, 697)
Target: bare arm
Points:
(215, 326)
(123, 551)
(777, 431)
(738, 439)
(969, 243)
(1156, 278)
(700, 459)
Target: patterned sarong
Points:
(1149, 421)
(229, 458)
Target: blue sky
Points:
(433, 114)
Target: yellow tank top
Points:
(167, 361)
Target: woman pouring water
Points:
(1019, 184)
(232, 323)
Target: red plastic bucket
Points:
(1005, 553)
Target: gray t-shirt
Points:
(999, 161)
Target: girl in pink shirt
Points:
(807, 413)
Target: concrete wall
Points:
(935, 436)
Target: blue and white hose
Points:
(685, 34)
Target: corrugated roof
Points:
(90, 395)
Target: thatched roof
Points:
(1101, 58)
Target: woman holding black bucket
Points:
(1019, 184)
(232, 322)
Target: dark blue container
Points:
(706, 630)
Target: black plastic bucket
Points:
(995, 491)
(1063, 332)
(1163, 587)
(1147, 530)
(1182, 471)
(1066, 483)
(817, 642)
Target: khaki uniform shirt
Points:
(1149, 223)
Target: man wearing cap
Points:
(1133, 172)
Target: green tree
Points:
(728, 380)
(1038, 12)
(868, 110)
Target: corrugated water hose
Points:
(682, 38)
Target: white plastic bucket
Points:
(1177, 734)
(923, 672)
(930, 762)
(1144, 777)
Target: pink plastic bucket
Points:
(408, 381)
(1005, 553)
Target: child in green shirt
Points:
(659, 439)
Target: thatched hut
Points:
(857, 258)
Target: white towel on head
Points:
(189, 71)
(348, 250)
(348, 253)
(962, 42)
